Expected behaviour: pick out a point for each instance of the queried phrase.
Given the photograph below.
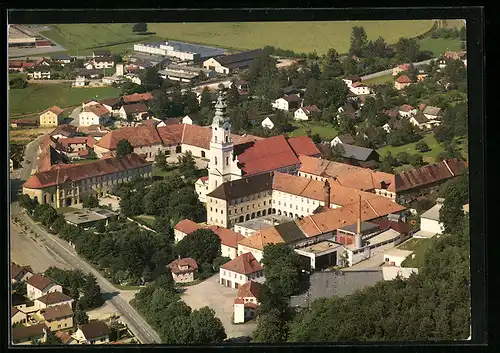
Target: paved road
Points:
(63, 250)
(30, 159)
(389, 71)
(74, 116)
(30, 52)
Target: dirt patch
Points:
(22, 134)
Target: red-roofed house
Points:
(359, 88)
(95, 114)
(135, 111)
(185, 227)
(402, 82)
(407, 111)
(247, 302)
(240, 270)
(51, 117)
(183, 270)
(304, 113)
(20, 273)
(137, 98)
(400, 68)
(303, 145)
(38, 286)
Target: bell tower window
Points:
(227, 139)
(227, 160)
(215, 160)
(215, 138)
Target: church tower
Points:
(222, 167)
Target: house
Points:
(40, 73)
(105, 62)
(292, 90)
(192, 118)
(135, 111)
(241, 86)
(19, 273)
(347, 139)
(364, 157)
(96, 114)
(27, 334)
(402, 82)
(430, 223)
(406, 111)
(433, 113)
(247, 302)
(349, 109)
(95, 332)
(89, 73)
(349, 80)
(77, 144)
(137, 98)
(51, 117)
(240, 270)
(422, 122)
(58, 317)
(183, 270)
(101, 54)
(267, 123)
(395, 256)
(287, 103)
(304, 113)
(62, 59)
(88, 65)
(134, 78)
(38, 286)
(80, 81)
(17, 316)
(400, 68)
(359, 88)
(233, 62)
(52, 299)
(65, 337)
(64, 131)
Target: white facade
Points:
(300, 114)
(267, 123)
(391, 272)
(235, 280)
(187, 120)
(89, 118)
(239, 313)
(201, 187)
(34, 293)
(178, 235)
(281, 104)
(228, 251)
(103, 64)
(359, 90)
(431, 226)
(80, 81)
(150, 49)
(80, 337)
(258, 254)
(394, 257)
(40, 305)
(408, 114)
(335, 141)
(212, 64)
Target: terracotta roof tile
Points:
(94, 329)
(40, 282)
(63, 336)
(244, 264)
(187, 226)
(137, 97)
(187, 261)
(54, 298)
(261, 238)
(98, 109)
(406, 108)
(57, 312)
(403, 79)
(65, 130)
(15, 269)
(55, 109)
(249, 290)
(227, 236)
(303, 145)
(135, 108)
(137, 136)
(26, 332)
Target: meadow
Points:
(439, 45)
(326, 132)
(428, 157)
(319, 36)
(380, 80)
(35, 98)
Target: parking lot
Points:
(210, 293)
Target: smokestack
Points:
(326, 189)
(357, 238)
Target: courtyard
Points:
(210, 293)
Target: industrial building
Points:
(179, 50)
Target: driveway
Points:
(201, 163)
(74, 116)
(210, 293)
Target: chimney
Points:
(326, 189)
(179, 257)
(357, 237)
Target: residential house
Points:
(134, 78)
(430, 223)
(183, 270)
(95, 332)
(96, 114)
(402, 82)
(233, 62)
(183, 228)
(137, 98)
(350, 80)
(304, 113)
(423, 123)
(400, 68)
(267, 123)
(65, 338)
(395, 256)
(51, 117)
(19, 273)
(192, 119)
(349, 109)
(240, 270)
(40, 72)
(359, 88)
(103, 62)
(62, 59)
(247, 302)
(135, 111)
(101, 54)
(64, 131)
(407, 111)
(287, 103)
(80, 81)
(74, 145)
(362, 156)
(241, 85)
(347, 139)
(433, 113)
(89, 73)
(58, 317)
(27, 334)
(38, 286)
(17, 316)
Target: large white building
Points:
(179, 50)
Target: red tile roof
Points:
(27, 332)
(77, 172)
(40, 282)
(308, 110)
(64, 337)
(403, 79)
(80, 140)
(57, 312)
(83, 153)
(94, 329)
(137, 97)
(187, 226)
(239, 301)
(244, 264)
(405, 108)
(358, 84)
(135, 108)
(137, 136)
(404, 67)
(15, 270)
(249, 290)
(303, 145)
(54, 298)
(401, 227)
(227, 237)
(65, 130)
(55, 109)
(97, 109)
(187, 261)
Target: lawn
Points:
(62, 210)
(439, 45)
(326, 132)
(379, 80)
(158, 172)
(38, 97)
(319, 36)
(146, 220)
(419, 248)
(429, 156)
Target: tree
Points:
(407, 50)
(91, 293)
(52, 339)
(20, 288)
(187, 165)
(123, 148)
(416, 160)
(18, 83)
(27, 203)
(150, 79)
(161, 161)
(207, 328)
(140, 28)
(350, 66)
(455, 73)
(80, 316)
(452, 214)
(347, 125)
(203, 245)
(358, 41)
(160, 103)
(90, 201)
(422, 146)
(179, 331)
(331, 65)
(270, 328)
(45, 214)
(206, 98)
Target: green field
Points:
(319, 36)
(439, 45)
(38, 97)
(146, 220)
(429, 156)
(419, 248)
(324, 131)
(379, 80)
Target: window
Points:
(248, 207)
(229, 211)
(227, 159)
(227, 139)
(235, 275)
(215, 137)
(222, 212)
(211, 209)
(215, 159)
(284, 204)
(264, 203)
(241, 277)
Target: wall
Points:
(61, 324)
(201, 190)
(48, 119)
(40, 305)
(34, 293)
(239, 313)
(87, 119)
(178, 235)
(19, 317)
(255, 252)
(228, 251)
(236, 279)
(300, 115)
(195, 150)
(430, 225)
(287, 204)
(183, 277)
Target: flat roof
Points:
(319, 247)
(203, 50)
(365, 227)
(91, 215)
(263, 222)
(379, 238)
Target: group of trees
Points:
(173, 320)
(431, 305)
(389, 162)
(449, 33)
(18, 82)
